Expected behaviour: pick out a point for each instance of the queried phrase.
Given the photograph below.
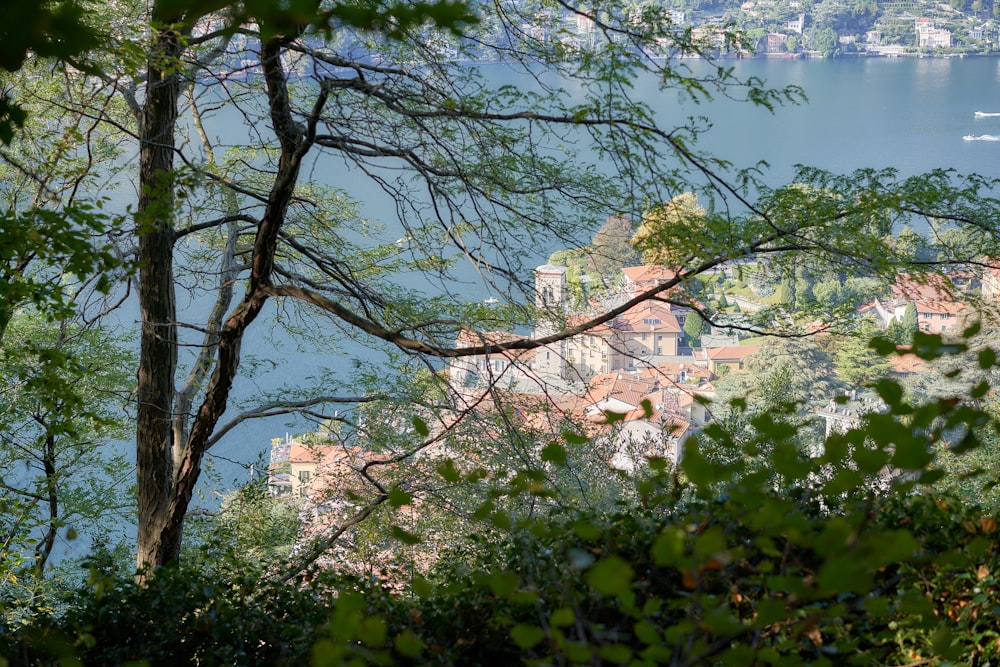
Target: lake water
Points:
(907, 113)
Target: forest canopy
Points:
(175, 235)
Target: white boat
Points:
(982, 137)
(986, 114)
(970, 137)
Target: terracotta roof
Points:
(651, 316)
(671, 371)
(907, 362)
(654, 274)
(927, 288)
(727, 353)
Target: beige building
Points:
(722, 360)
(301, 470)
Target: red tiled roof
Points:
(654, 274)
(651, 316)
(732, 353)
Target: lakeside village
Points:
(657, 367)
(772, 28)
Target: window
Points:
(304, 476)
(944, 316)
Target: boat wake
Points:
(986, 114)
(981, 137)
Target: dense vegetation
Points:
(459, 536)
(805, 561)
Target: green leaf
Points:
(420, 426)
(616, 653)
(945, 644)
(668, 548)
(611, 417)
(503, 584)
(882, 346)
(586, 530)
(404, 536)
(398, 497)
(449, 472)
(408, 644)
(421, 586)
(526, 636)
(844, 574)
(647, 633)
(890, 391)
(562, 617)
(554, 453)
(611, 576)
(574, 438)
(987, 358)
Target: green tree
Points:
(611, 248)
(475, 173)
(824, 40)
(505, 193)
(661, 238)
(694, 327)
(62, 395)
(857, 362)
(830, 294)
(909, 325)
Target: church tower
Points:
(550, 300)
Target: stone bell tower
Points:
(550, 300)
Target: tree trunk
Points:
(158, 345)
(168, 469)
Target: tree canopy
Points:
(256, 127)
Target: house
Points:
(722, 360)
(934, 296)
(303, 470)
(507, 367)
(796, 25)
(634, 338)
(776, 42)
(990, 281)
(646, 418)
(929, 36)
(637, 279)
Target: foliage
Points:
(611, 248)
(807, 367)
(61, 405)
(856, 360)
(821, 568)
(694, 327)
(56, 29)
(910, 324)
(665, 233)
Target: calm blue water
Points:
(906, 113)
